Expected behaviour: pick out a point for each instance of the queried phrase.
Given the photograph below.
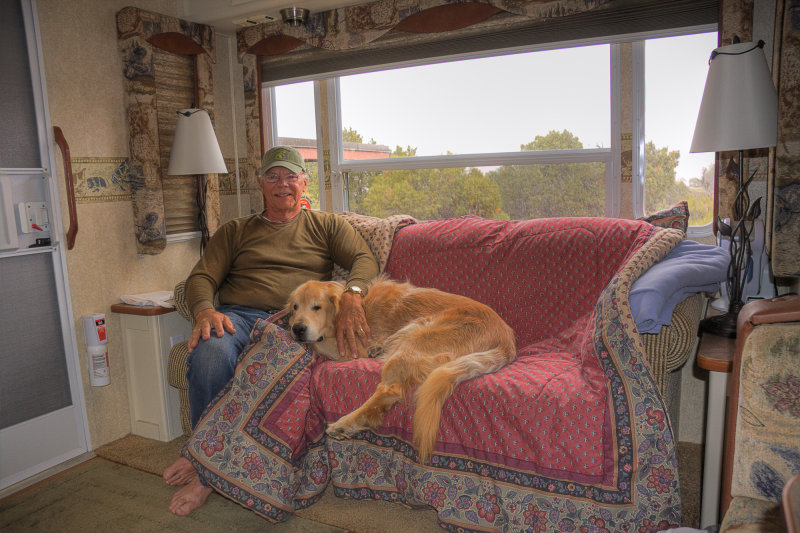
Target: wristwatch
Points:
(355, 289)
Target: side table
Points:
(714, 354)
(148, 332)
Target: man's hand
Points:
(204, 322)
(351, 324)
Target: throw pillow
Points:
(676, 216)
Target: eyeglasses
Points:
(275, 178)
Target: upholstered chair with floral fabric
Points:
(763, 433)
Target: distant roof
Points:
(308, 148)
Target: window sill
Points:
(695, 232)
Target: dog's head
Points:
(312, 311)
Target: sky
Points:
(466, 106)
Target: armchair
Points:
(762, 442)
(176, 363)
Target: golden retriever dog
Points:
(427, 338)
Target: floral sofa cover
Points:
(571, 435)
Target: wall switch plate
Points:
(33, 217)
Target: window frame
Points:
(638, 69)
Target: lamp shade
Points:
(195, 149)
(739, 110)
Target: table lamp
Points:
(195, 151)
(739, 111)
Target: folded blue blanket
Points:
(689, 268)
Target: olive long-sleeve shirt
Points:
(254, 262)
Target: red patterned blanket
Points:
(572, 434)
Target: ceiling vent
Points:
(253, 20)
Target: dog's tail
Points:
(439, 385)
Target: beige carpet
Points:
(103, 496)
(690, 472)
(362, 516)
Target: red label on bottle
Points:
(100, 324)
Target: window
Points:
(295, 125)
(484, 105)
(675, 75)
(507, 104)
(519, 135)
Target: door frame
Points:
(72, 417)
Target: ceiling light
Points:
(294, 16)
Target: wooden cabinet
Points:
(147, 335)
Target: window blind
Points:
(174, 79)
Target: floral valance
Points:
(355, 26)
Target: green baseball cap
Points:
(282, 156)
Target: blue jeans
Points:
(212, 362)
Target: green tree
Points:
(351, 135)
(433, 193)
(408, 151)
(425, 193)
(706, 180)
(701, 201)
(473, 193)
(551, 190)
(701, 208)
(662, 190)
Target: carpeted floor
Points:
(104, 491)
(353, 515)
(690, 472)
(100, 495)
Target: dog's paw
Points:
(340, 431)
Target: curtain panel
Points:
(785, 212)
(138, 32)
(781, 168)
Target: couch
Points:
(575, 432)
(666, 351)
(762, 449)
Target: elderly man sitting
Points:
(252, 264)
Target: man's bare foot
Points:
(189, 498)
(180, 472)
